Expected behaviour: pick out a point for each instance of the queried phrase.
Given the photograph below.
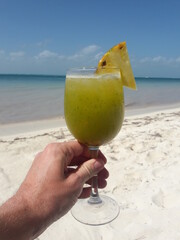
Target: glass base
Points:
(95, 214)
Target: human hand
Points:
(52, 187)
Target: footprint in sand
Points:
(169, 200)
(153, 156)
(158, 199)
(159, 172)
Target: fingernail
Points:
(98, 165)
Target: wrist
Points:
(26, 215)
(31, 211)
(38, 208)
(16, 219)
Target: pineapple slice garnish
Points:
(117, 57)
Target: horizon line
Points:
(56, 75)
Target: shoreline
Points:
(130, 112)
(11, 129)
(20, 128)
(40, 126)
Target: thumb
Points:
(89, 168)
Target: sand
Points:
(144, 166)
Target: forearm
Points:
(16, 221)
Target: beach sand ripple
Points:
(144, 166)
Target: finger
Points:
(86, 156)
(103, 173)
(76, 161)
(102, 183)
(87, 170)
(102, 176)
(70, 150)
(87, 190)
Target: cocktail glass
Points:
(94, 113)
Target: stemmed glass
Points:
(94, 112)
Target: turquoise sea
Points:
(35, 97)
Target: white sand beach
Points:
(144, 167)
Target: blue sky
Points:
(48, 37)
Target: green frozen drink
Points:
(94, 113)
(94, 106)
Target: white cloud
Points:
(2, 52)
(89, 49)
(43, 43)
(17, 54)
(153, 59)
(160, 60)
(46, 54)
(145, 59)
(74, 57)
(178, 59)
(86, 51)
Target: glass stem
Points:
(94, 197)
